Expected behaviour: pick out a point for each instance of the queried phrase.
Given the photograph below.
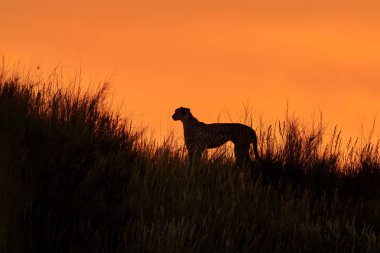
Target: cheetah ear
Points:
(186, 109)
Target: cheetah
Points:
(200, 136)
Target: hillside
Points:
(74, 177)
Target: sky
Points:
(212, 56)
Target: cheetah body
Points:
(200, 136)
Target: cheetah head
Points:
(180, 113)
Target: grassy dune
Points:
(74, 177)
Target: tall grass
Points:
(75, 177)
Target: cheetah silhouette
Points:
(200, 136)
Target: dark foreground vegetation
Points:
(75, 177)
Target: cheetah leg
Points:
(194, 155)
(242, 155)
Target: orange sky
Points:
(210, 55)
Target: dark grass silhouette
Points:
(74, 177)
